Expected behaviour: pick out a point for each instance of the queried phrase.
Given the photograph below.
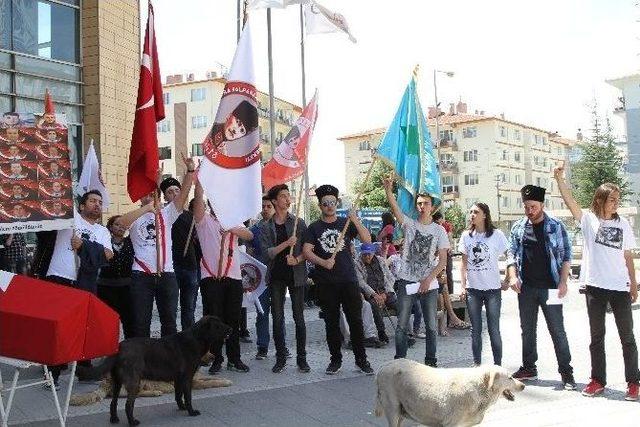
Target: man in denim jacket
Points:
(539, 260)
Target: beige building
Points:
(483, 158)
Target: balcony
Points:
(450, 192)
(449, 166)
(451, 144)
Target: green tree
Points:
(600, 162)
(456, 217)
(373, 195)
(314, 210)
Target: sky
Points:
(540, 63)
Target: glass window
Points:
(197, 150)
(167, 98)
(5, 60)
(5, 82)
(469, 132)
(35, 87)
(516, 134)
(503, 131)
(164, 153)
(199, 94)
(198, 122)
(5, 24)
(47, 68)
(164, 126)
(72, 113)
(516, 156)
(5, 104)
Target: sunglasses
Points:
(329, 204)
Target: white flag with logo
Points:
(280, 4)
(253, 279)
(230, 168)
(320, 20)
(91, 178)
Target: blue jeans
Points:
(529, 300)
(429, 303)
(262, 322)
(417, 315)
(188, 285)
(144, 289)
(492, 301)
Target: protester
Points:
(386, 235)
(481, 245)
(15, 254)
(608, 272)
(424, 256)
(335, 277)
(286, 271)
(539, 259)
(147, 284)
(376, 283)
(221, 283)
(114, 280)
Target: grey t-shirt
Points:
(420, 250)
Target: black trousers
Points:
(119, 299)
(377, 311)
(223, 298)
(597, 299)
(347, 295)
(278, 291)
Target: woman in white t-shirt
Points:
(481, 245)
(608, 274)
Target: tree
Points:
(456, 217)
(314, 211)
(600, 162)
(373, 195)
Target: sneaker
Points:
(246, 340)
(418, 334)
(568, 382)
(372, 342)
(215, 368)
(632, 392)
(279, 366)
(261, 355)
(333, 368)
(303, 366)
(594, 388)
(365, 367)
(288, 354)
(524, 374)
(237, 366)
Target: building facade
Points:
(482, 158)
(629, 110)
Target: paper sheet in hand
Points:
(412, 288)
(553, 297)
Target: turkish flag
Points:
(290, 157)
(143, 157)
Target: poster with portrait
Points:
(35, 173)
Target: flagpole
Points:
(304, 103)
(238, 12)
(156, 202)
(355, 205)
(295, 224)
(272, 122)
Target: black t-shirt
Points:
(324, 237)
(179, 233)
(280, 269)
(536, 265)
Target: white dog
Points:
(440, 397)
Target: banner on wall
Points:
(35, 173)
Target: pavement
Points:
(261, 398)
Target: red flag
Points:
(291, 155)
(143, 157)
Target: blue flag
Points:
(407, 148)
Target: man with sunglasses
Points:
(336, 277)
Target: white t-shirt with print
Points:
(420, 250)
(605, 241)
(211, 236)
(63, 262)
(483, 272)
(143, 238)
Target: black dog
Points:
(172, 358)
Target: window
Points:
(448, 184)
(503, 132)
(544, 140)
(470, 132)
(518, 179)
(197, 150)
(536, 160)
(471, 156)
(164, 126)
(471, 179)
(199, 94)
(551, 185)
(447, 159)
(505, 201)
(166, 98)
(516, 156)
(198, 122)
(519, 201)
(364, 146)
(446, 135)
(539, 182)
(505, 155)
(164, 153)
(544, 162)
(516, 134)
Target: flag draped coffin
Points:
(49, 323)
(230, 169)
(407, 148)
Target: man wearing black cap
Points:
(539, 258)
(285, 271)
(336, 277)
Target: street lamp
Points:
(435, 97)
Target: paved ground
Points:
(261, 398)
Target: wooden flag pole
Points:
(156, 202)
(186, 245)
(295, 224)
(355, 206)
